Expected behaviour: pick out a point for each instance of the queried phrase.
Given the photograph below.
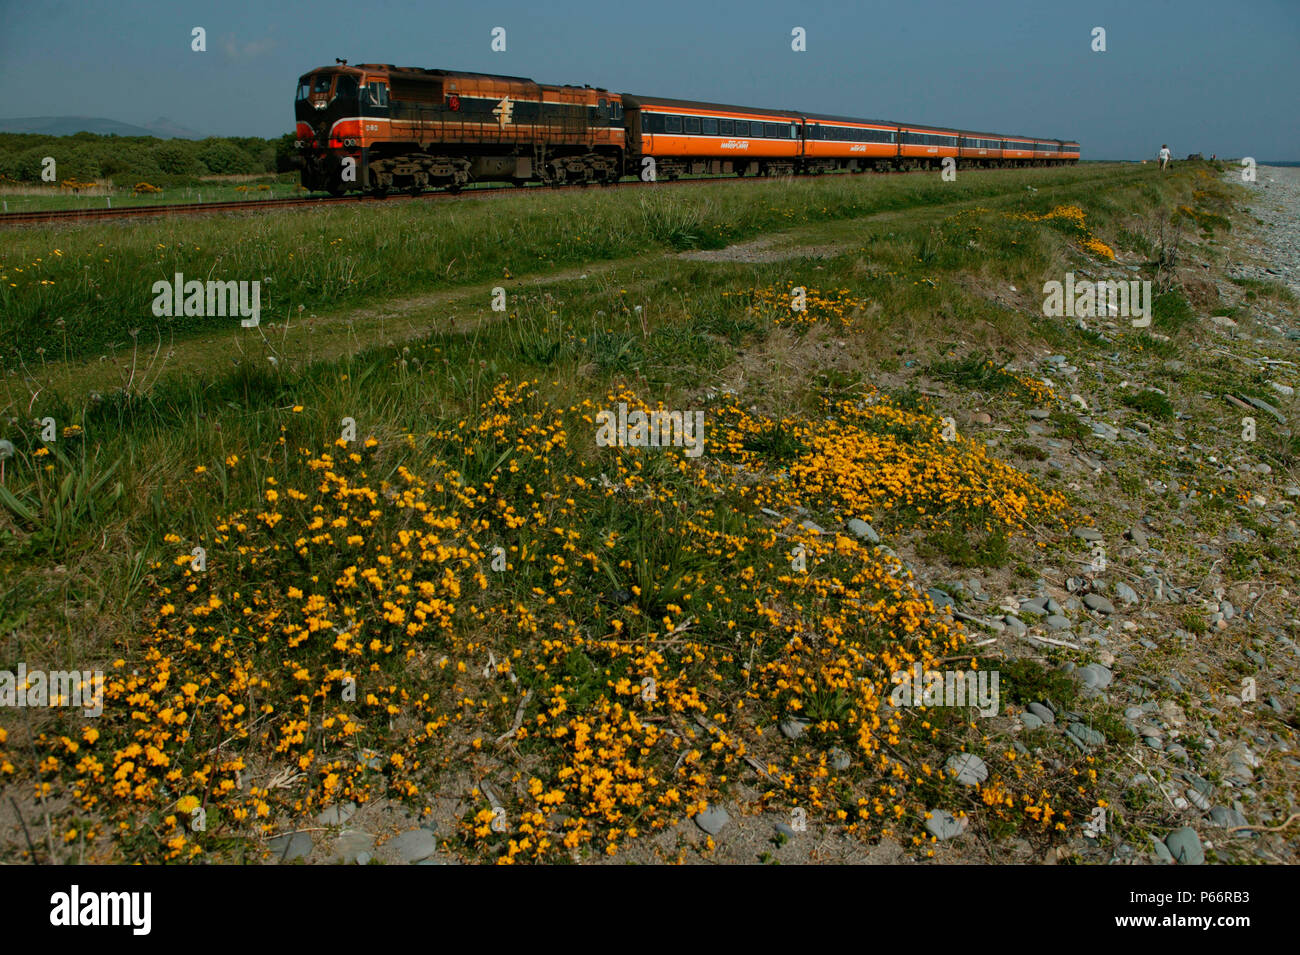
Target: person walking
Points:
(1164, 155)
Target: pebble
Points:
(1126, 593)
(940, 599)
(967, 768)
(352, 844)
(336, 815)
(1042, 712)
(1227, 818)
(712, 820)
(1085, 736)
(1036, 607)
(414, 845)
(1030, 721)
(861, 529)
(1162, 851)
(793, 727)
(1057, 622)
(1087, 533)
(840, 760)
(1098, 603)
(944, 825)
(1185, 846)
(291, 846)
(1015, 625)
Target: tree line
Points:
(131, 159)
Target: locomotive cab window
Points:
(378, 93)
(322, 84)
(346, 86)
(303, 90)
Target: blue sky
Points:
(1202, 75)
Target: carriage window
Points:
(674, 124)
(692, 124)
(742, 127)
(769, 130)
(726, 127)
(710, 127)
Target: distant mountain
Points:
(161, 127)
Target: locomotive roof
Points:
(633, 100)
(458, 74)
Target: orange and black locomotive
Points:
(375, 128)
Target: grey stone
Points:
(1087, 533)
(1015, 625)
(1162, 851)
(1098, 603)
(336, 815)
(840, 760)
(967, 768)
(1185, 846)
(793, 727)
(1099, 676)
(712, 820)
(862, 529)
(1086, 736)
(1057, 622)
(352, 844)
(1037, 607)
(940, 599)
(944, 825)
(291, 846)
(1226, 818)
(1042, 712)
(414, 845)
(363, 858)
(1030, 721)
(1126, 593)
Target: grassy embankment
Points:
(377, 615)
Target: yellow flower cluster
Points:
(623, 628)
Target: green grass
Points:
(344, 256)
(91, 534)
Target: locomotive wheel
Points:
(453, 187)
(334, 188)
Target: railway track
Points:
(50, 216)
